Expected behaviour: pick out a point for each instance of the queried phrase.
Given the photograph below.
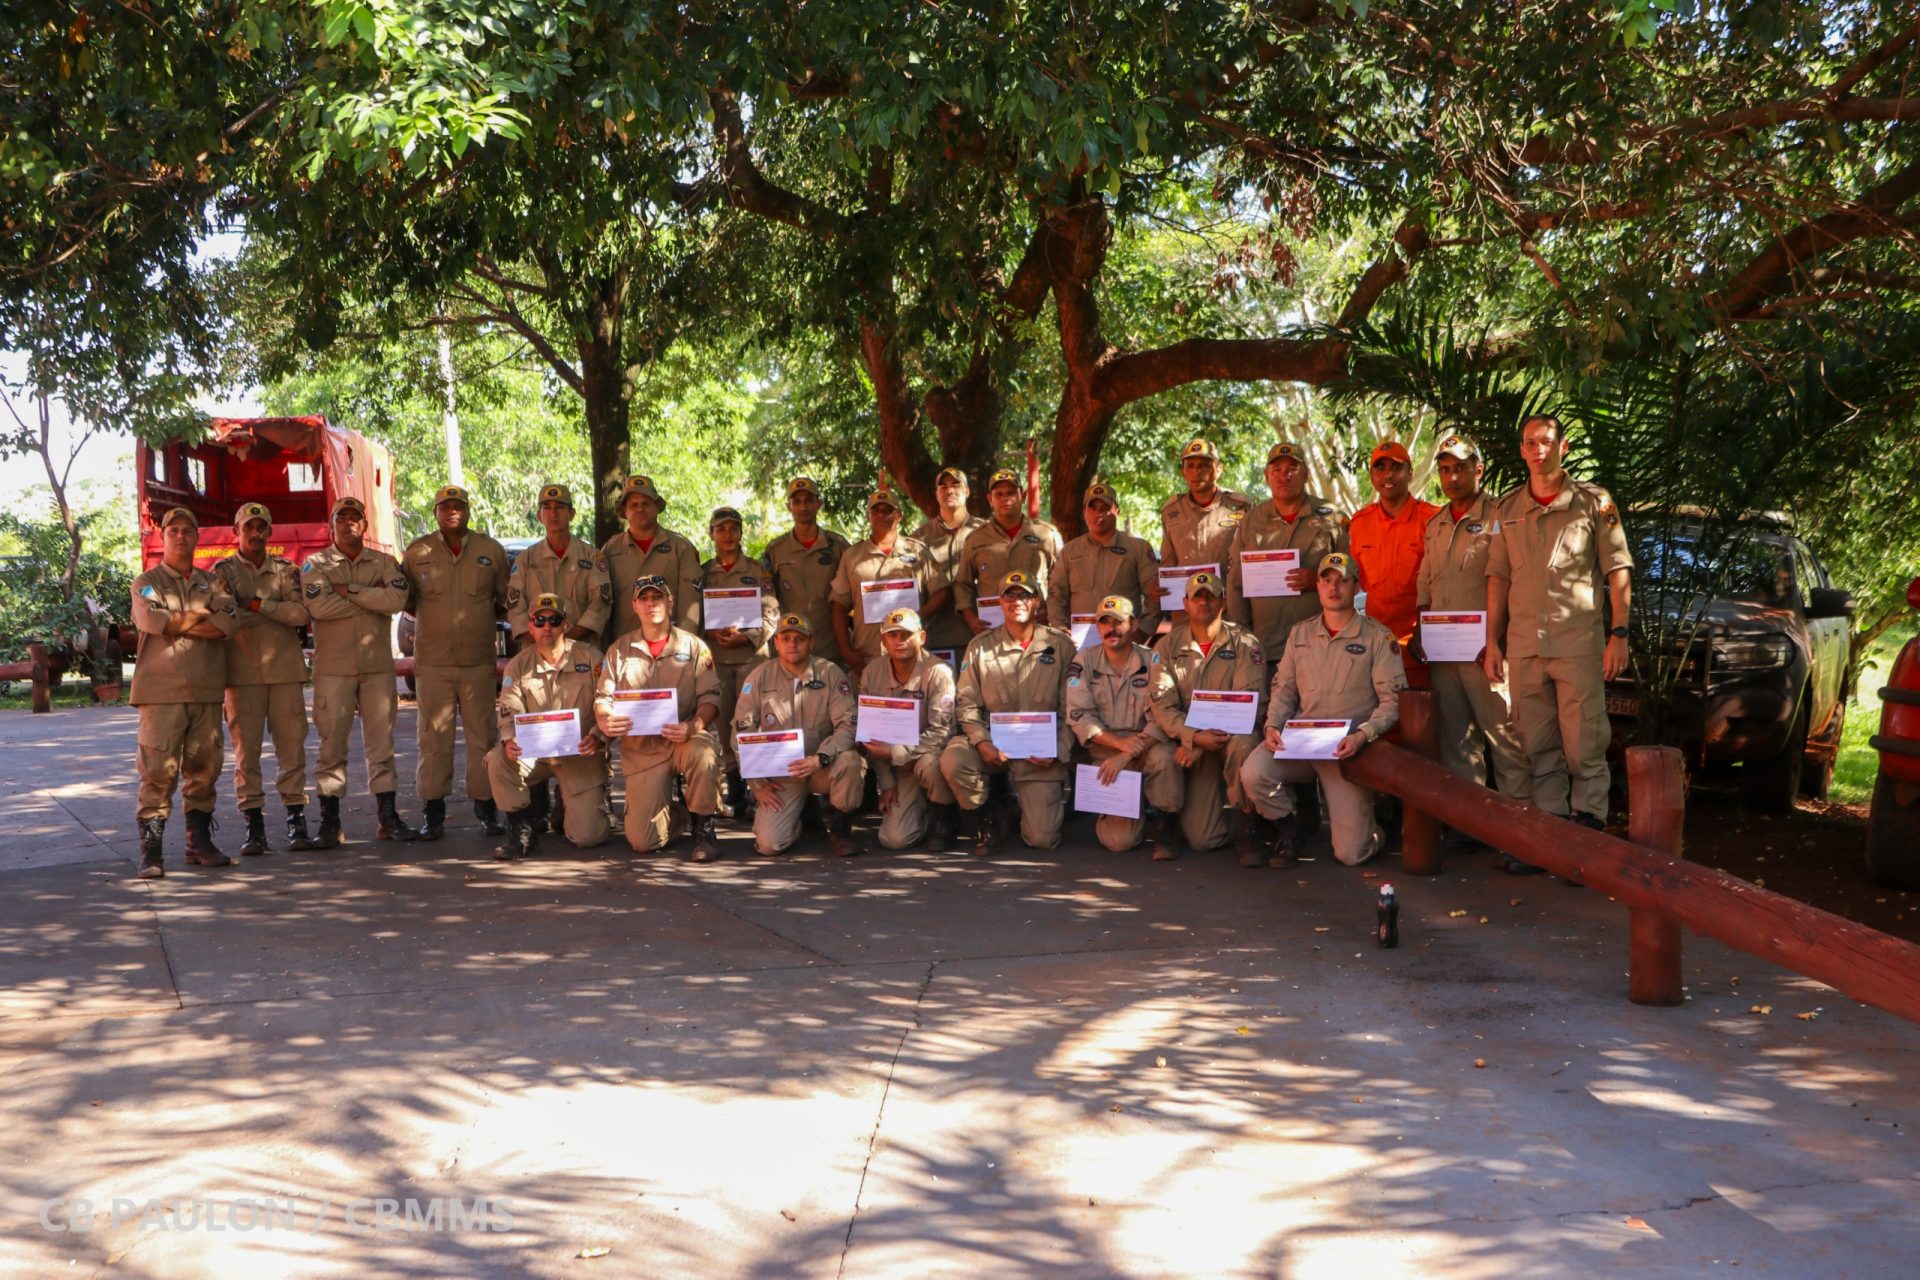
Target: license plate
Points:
(1622, 706)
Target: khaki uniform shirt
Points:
(179, 668)
(1356, 675)
(1103, 698)
(819, 702)
(580, 578)
(865, 562)
(947, 629)
(930, 684)
(456, 599)
(1087, 573)
(265, 647)
(672, 557)
(1317, 532)
(990, 555)
(802, 578)
(1453, 572)
(1191, 534)
(684, 665)
(998, 675)
(746, 572)
(529, 684)
(353, 634)
(1236, 662)
(1556, 559)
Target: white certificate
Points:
(1311, 739)
(731, 607)
(1085, 633)
(650, 709)
(767, 755)
(1264, 573)
(1228, 710)
(1024, 735)
(1453, 637)
(878, 599)
(891, 720)
(543, 735)
(1090, 795)
(990, 612)
(1173, 582)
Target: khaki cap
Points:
(794, 622)
(1199, 449)
(1100, 491)
(1004, 476)
(1017, 581)
(1115, 607)
(556, 493)
(883, 498)
(651, 582)
(1460, 447)
(450, 493)
(1206, 581)
(251, 511)
(906, 620)
(952, 473)
(180, 515)
(348, 503)
(1341, 563)
(1286, 449)
(642, 485)
(802, 484)
(723, 514)
(548, 603)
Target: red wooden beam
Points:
(1657, 803)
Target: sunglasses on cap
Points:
(547, 620)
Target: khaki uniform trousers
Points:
(732, 676)
(1477, 737)
(438, 692)
(1560, 708)
(335, 701)
(650, 765)
(844, 783)
(1160, 788)
(1037, 787)
(580, 781)
(1349, 805)
(1210, 788)
(179, 743)
(914, 785)
(282, 710)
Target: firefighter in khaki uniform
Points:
(551, 674)
(909, 775)
(1109, 705)
(1011, 542)
(645, 549)
(561, 565)
(945, 534)
(1557, 546)
(1295, 520)
(1102, 562)
(883, 556)
(796, 690)
(184, 616)
(459, 582)
(658, 655)
(1453, 577)
(1199, 525)
(266, 678)
(1339, 666)
(1020, 665)
(803, 562)
(352, 592)
(1206, 652)
(736, 650)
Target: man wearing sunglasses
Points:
(553, 673)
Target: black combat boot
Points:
(1250, 838)
(256, 842)
(840, 835)
(1162, 837)
(557, 814)
(1285, 837)
(737, 793)
(942, 827)
(489, 815)
(297, 837)
(328, 837)
(520, 837)
(540, 807)
(153, 833)
(706, 842)
(200, 848)
(811, 823)
(433, 822)
(391, 826)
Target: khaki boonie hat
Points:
(951, 473)
(1341, 563)
(1004, 476)
(349, 504)
(642, 485)
(802, 484)
(723, 514)
(1458, 447)
(1199, 449)
(1286, 449)
(180, 515)
(250, 511)
(1114, 607)
(556, 493)
(906, 620)
(651, 582)
(1017, 581)
(1205, 581)
(795, 622)
(548, 603)
(1100, 491)
(450, 493)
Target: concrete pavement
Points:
(1061, 1063)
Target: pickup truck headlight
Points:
(1759, 653)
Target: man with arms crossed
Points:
(266, 678)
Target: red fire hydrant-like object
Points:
(1893, 826)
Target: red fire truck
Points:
(1893, 825)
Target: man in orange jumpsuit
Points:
(1388, 538)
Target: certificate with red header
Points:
(1311, 739)
(1228, 710)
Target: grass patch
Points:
(1858, 765)
(72, 691)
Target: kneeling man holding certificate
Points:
(1107, 709)
(546, 698)
(793, 729)
(1007, 701)
(905, 722)
(1336, 688)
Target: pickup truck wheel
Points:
(1893, 836)
(1769, 786)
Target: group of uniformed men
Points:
(1002, 595)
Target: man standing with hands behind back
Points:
(266, 678)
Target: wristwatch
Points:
(821, 756)
(1620, 633)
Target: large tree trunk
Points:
(606, 391)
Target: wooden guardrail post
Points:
(1657, 814)
(43, 676)
(1419, 829)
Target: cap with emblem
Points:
(883, 498)
(450, 493)
(1200, 449)
(902, 620)
(954, 474)
(556, 493)
(1459, 447)
(349, 503)
(251, 511)
(1100, 491)
(1003, 476)
(548, 603)
(794, 622)
(1286, 449)
(1205, 581)
(802, 484)
(1114, 607)
(1017, 581)
(180, 515)
(1390, 449)
(651, 582)
(723, 514)
(643, 485)
(1341, 563)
